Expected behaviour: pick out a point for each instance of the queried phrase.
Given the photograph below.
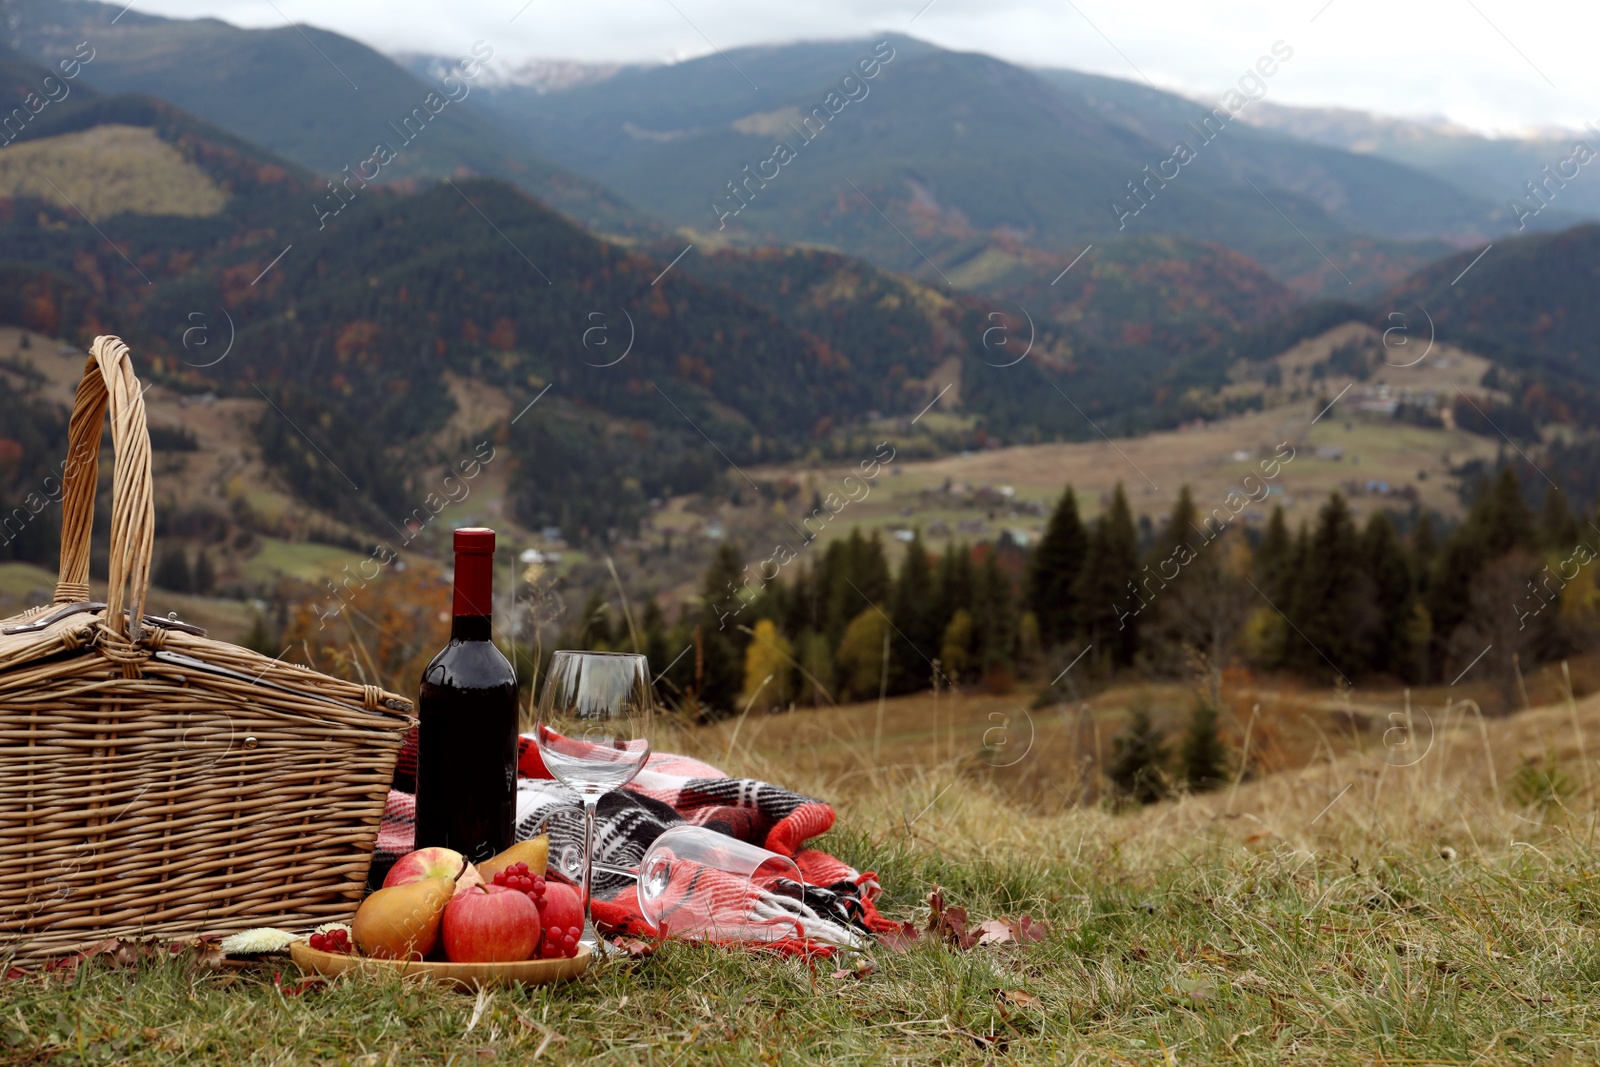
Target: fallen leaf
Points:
(901, 938)
(205, 955)
(1021, 998)
(863, 968)
(1028, 929)
(935, 910)
(64, 965)
(994, 932)
(953, 927)
(634, 947)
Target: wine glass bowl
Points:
(594, 726)
(594, 719)
(699, 884)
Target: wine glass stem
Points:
(591, 936)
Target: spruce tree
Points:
(857, 575)
(1122, 557)
(1497, 522)
(594, 625)
(1424, 550)
(994, 617)
(875, 579)
(1138, 757)
(721, 652)
(1332, 603)
(828, 589)
(1558, 527)
(914, 642)
(955, 647)
(1507, 522)
(205, 575)
(1100, 601)
(773, 603)
(1202, 755)
(1182, 528)
(657, 648)
(804, 613)
(1274, 559)
(1463, 556)
(953, 583)
(172, 570)
(1393, 591)
(260, 639)
(1053, 572)
(816, 656)
(1106, 588)
(1284, 642)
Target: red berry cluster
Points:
(517, 877)
(335, 940)
(557, 942)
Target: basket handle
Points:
(108, 380)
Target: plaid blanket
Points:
(835, 906)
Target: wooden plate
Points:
(462, 975)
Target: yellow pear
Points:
(402, 921)
(535, 852)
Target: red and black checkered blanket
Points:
(837, 906)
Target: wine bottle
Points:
(467, 710)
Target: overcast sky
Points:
(1496, 65)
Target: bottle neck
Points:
(469, 628)
(473, 602)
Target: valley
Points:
(1144, 525)
(1356, 447)
(537, 283)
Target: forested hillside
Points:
(1338, 601)
(982, 163)
(310, 96)
(350, 303)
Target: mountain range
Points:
(945, 229)
(1498, 168)
(316, 98)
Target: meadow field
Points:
(1403, 890)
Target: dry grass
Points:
(109, 170)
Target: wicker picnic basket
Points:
(153, 781)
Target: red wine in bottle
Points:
(467, 737)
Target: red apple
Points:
(563, 920)
(491, 924)
(432, 863)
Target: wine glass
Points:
(699, 884)
(593, 731)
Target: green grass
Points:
(1271, 959)
(305, 560)
(1350, 911)
(1217, 957)
(22, 582)
(225, 620)
(109, 170)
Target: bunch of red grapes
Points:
(335, 940)
(560, 912)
